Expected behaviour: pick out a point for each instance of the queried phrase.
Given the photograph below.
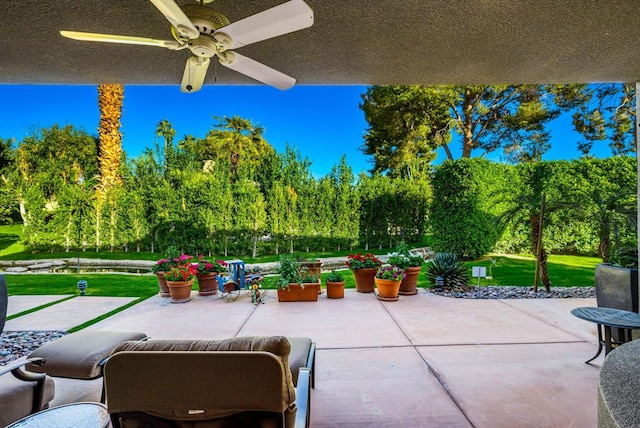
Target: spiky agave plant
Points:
(451, 269)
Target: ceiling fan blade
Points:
(283, 19)
(256, 70)
(177, 18)
(112, 38)
(194, 73)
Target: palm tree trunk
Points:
(541, 258)
(110, 98)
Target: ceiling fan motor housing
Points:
(205, 19)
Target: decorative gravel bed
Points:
(504, 292)
(16, 344)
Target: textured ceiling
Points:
(351, 42)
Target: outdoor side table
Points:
(609, 318)
(77, 415)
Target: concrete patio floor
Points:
(423, 361)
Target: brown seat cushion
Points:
(78, 355)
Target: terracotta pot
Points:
(162, 283)
(409, 284)
(335, 290)
(207, 284)
(295, 293)
(180, 291)
(387, 288)
(364, 279)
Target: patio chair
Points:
(30, 387)
(21, 392)
(244, 381)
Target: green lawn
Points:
(115, 285)
(564, 271)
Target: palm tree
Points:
(528, 203)
(237, 141)
(110, 99)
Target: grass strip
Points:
(107, 315)
(37, 308)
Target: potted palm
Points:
(387, 280)
(364, 268)
(335, 285)
(207, 273)
(294, 283)
(180, 281)
(412, 264)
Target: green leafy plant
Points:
(391, 272)
(289, 271)
(452, 271)
(334, 277)
(360, 261)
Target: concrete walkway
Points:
(423, 361)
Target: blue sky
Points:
(322, 122)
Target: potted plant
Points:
(180, 282)
(335, 285)
(207, 273)
(411, 263)
(294, 284)
(314, 268)
(387, 280)
(364, 268)
(164, 265)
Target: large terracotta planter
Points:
(295, 293)
(409, 284)
(162, 284)
(335, 290)
(207, 284)
(180, 291)
(364, 279)
(387, 289)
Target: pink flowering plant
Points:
(205, 266)
(172, 258)
(394, 273)
(162, 265)
(362, 261)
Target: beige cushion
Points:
(78, 355)
(204, 378)
(300, 347)
(16, 397)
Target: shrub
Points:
(451, 269)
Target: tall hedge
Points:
(463, 212)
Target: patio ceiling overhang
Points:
(351, 42)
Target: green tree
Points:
(405, 123)
(606, 111)
(345, 205)
(235, 141)
(8, 193)
(410, 122)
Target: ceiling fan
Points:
(207, 33)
